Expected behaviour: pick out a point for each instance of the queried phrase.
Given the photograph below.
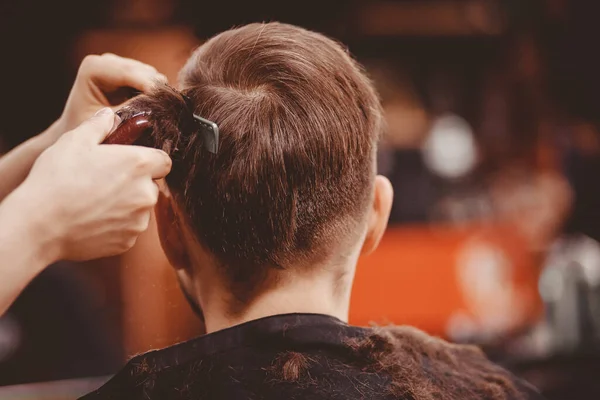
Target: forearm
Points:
(23, 251)
(16, 164)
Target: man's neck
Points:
(317, 295)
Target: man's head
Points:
(293, 186)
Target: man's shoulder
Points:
(145, 372)
(393, 362)
(445, 367)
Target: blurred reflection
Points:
(449, 150)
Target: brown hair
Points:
(299, 122)
(418, 366)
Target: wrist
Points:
(29, 228)
(52, 133)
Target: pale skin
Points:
(66, 196)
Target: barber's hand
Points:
(97, 80)
(90, 200)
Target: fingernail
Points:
(103, 112)
(116, 123)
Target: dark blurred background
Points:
(492, 145)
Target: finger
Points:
(149, 161)
(97, 128)
(150, 193)
(126, 244)
(143, 221)
(159, 163)
(145, 161)
(138, 75)
(163, 189)
(110, 72)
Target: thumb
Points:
(98, 127)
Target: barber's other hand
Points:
(97, 79)
(88, 200)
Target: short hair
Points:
(299, 123)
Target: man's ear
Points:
(378, 214)
(170, 230)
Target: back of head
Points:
(299, 124)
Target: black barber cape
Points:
(283, 357)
